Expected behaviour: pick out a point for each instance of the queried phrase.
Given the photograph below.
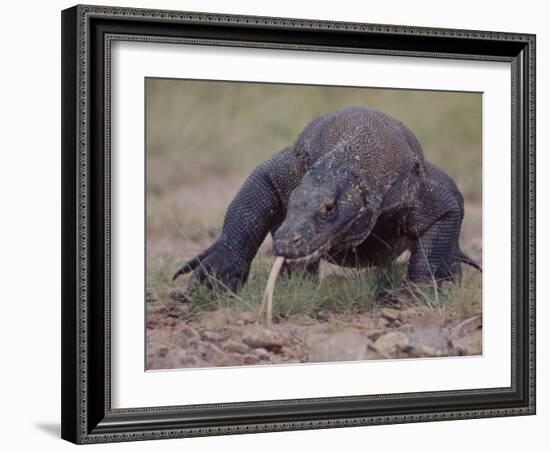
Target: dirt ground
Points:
(223, 338)
(181, 335)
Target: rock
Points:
(365, 323)
(157, 320)
(210, 352)
(322, 328)
(162, 350)
(179, 311)
(375, 334)
(459, 349)
(263, 337)
(261, 353)
(390, 314)
(150, 297)
(407, 328)
(248, 316)
(177, 295)
(303, 319)
(409, 313)
(373, 353)
(429, 343)
(183, 335)
(214, 320)
(153, 320)
(288, 352)
(236, 347)
(391, 342)
(184, 358)
(157, 338)
(470, 344)
(344, 346)
(211, 336)
(382, 323)
(250, 359)
(467, 326)
(232, 359)
(156, 364)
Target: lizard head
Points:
(322, 214)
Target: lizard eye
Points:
(328, 208)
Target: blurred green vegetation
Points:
(197, 129)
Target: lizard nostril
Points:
(296, 238)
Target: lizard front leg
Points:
(256, 208)
(435, 227)
(433, 257)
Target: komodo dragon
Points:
(353, 189)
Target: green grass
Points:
(159, 281)
(346, 292)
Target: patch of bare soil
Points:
(205, 200)
(176, 339)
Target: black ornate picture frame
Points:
(87, 35)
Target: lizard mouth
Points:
(309, 258)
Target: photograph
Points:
(300, 224)
(277, 222)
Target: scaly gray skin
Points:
(354, 189)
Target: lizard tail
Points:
(463, 258)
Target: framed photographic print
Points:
(281, 224)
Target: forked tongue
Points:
(267, 301)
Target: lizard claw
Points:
(213, 265)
